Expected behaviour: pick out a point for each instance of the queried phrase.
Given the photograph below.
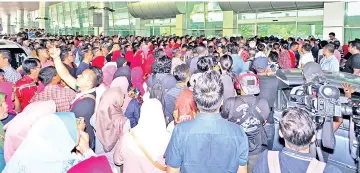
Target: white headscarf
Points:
(151, 129)
(47, 146)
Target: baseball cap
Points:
(312, 69)
(248, 82)
(260, 63)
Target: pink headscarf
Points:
(18, 127)
(110, 118)
(6, 88)
(108, 73)
(123, 83)
(137, 79)
(145, 49)
(98, 164)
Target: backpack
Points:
(250, 119)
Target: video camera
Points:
(323, 102)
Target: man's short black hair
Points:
(233, 48)
(307, 47)
(47, 74)
(98, 76)
(273, 56)
(64, 53)
(30, 64)
(294, 44)
(355, 44)
(181, 72)
(208, 92)
(297, 128)
(260, 47)
(203, 64)
(332, 34)
(6, 54)
(39, 49)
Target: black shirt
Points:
(352, 63)
(269, 85)
(85, 107)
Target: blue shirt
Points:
(290, 162)
(238, 64)
(207, 144)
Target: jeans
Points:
(251, 162)
(270, 133)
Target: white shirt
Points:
(305, 58)
(330, 64)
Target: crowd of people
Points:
(159, 104)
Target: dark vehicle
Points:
(18, 54)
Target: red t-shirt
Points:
(292, 59)
(98, 61)
(26, 88)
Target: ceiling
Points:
(8, 7)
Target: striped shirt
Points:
(11, 75)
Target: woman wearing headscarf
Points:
(110, 122)
(131, 105)
(17, 128)
(148, 62)
(108, 70)
(123, 71)
(3, 114)
(11, 99)
(137, 79)
(149, 135)
(138, 57)
(48, 144)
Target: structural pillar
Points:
(229, 23)
(20, 19)
(105, 18)
(44, 12)
(180, 24)
(1, 25)
(6, 22)
(334, 22)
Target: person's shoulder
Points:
(331, 169)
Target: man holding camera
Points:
(298, 130)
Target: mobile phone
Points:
(2, 98)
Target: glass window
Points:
(246, 30)
(351, 34)
(352, 14)
(284, 29)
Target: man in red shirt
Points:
(294, 46)
(99, 58)
(27, 86)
